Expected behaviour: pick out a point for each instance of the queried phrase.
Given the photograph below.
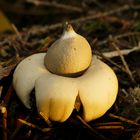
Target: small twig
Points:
(95, 16)
(17, 130)
(111, 61)
(1, 87)
(124, 62)
(8, 95)
(90, 128)
(16, 30)
(4, 119)
(108, 55)
(46, 119)
(82, 19)
(6, 7)
(34, 126)
(137, 119)
(45, 43)
(122, 119)
(137, 135)
(118, 37)
(123, 52)
(130, 129)
(110, 127)
(97, 3)
(29, 124)
(55, 5)
(108, 123)
(135, 7)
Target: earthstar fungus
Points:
(66, 71)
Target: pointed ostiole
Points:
(55, 96)
(69, 55)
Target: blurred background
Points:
(25, 13)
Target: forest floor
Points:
(113, 31)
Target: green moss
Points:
(137, 1)
(136, 26)
(97, 28)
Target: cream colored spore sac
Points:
(70, 55)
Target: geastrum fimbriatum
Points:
(65, 72)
